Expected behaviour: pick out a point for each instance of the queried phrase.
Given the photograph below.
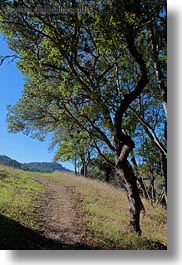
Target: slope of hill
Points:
(7, 161)
(46, 167)
(63, 211)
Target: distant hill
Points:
(7, 161)
(46, 167)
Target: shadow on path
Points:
(14, 236)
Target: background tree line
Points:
(45, 167)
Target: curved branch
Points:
(143, 81)
(129, 98)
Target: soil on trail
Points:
(61, 216)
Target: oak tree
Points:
(84, 67)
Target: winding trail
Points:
(62, 218)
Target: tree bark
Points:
(164, 169)
(83, 171)
(152, 187)
(75, 166)
(108, 173)
(123, 143)
(126, 173)
(139, 178)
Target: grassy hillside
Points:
(19, 194)
(104, 208)
(19, 203)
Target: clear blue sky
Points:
(18, 146)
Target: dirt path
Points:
(62, 219)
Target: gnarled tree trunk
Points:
(126, 173)
(123, 143)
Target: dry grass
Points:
(106, 212)
(104, 208)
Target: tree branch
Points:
(3, 58)
(143, 81)
(101, 133)
(150, 132)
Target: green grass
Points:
(106, 214)
(19, 194)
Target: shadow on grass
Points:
(14, 236)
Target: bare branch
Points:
(150, 132)
(3, 58)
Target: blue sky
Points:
(18, 146)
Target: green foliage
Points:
(80, 70)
